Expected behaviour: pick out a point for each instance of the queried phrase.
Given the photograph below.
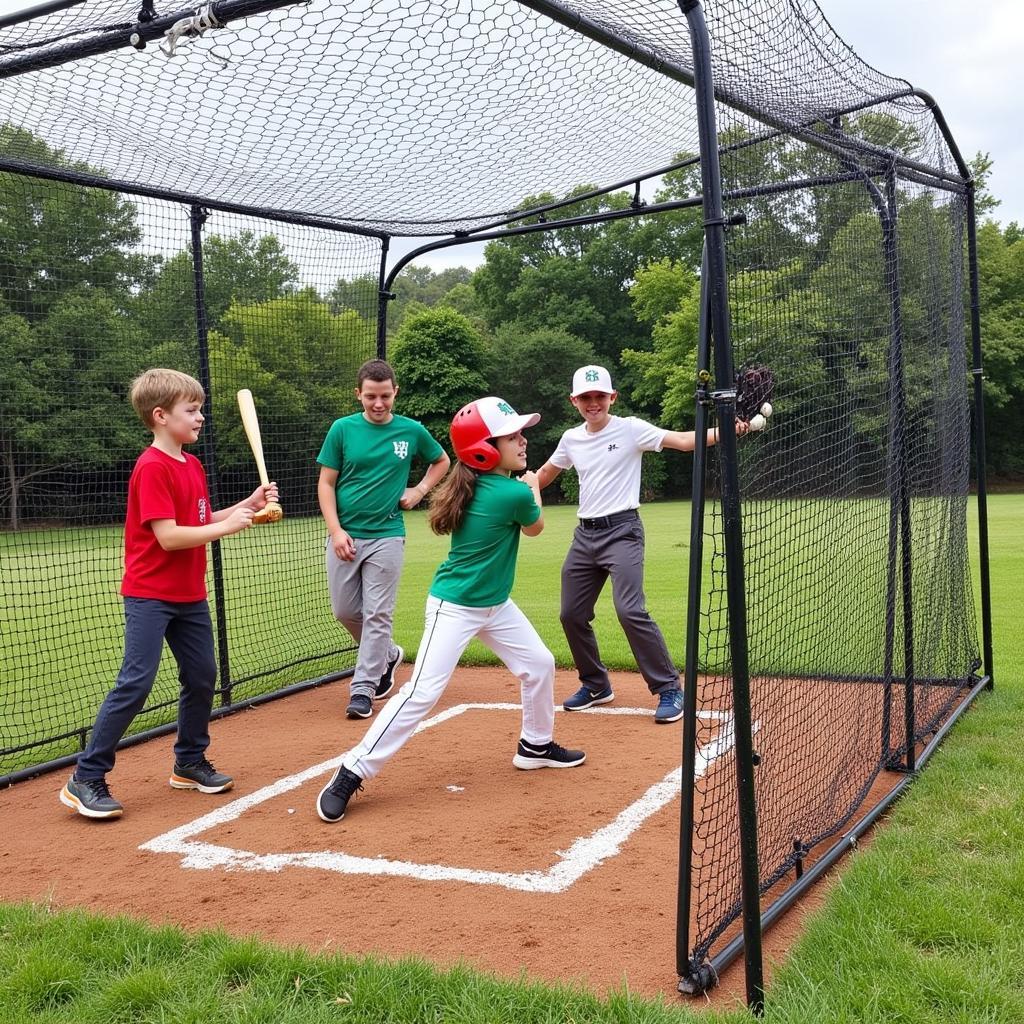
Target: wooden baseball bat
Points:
(247, 407)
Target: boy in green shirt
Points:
(363, 488)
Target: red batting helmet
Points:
(476, 423)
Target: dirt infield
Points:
(451, 854)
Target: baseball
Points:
(758, 422)
(766, 410)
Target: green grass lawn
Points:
(62, 624)
(924, 925)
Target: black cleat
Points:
(387, 681)
(551, 755)
(334, 797)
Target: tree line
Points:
(84, 307)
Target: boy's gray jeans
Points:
(363, 594)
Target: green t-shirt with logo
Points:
(373, 462)
(481, 566)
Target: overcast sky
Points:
(970, 57)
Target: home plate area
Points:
(422, 817)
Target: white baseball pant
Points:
(448, 630)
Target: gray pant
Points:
(363, 594)
(594, 555)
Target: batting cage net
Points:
(96, 287)
(854, 498)
(217, 188)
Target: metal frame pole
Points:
(725, 406)
(899, 462)
(384, 296)
(693, 977)
(198, 219)
(979, 435)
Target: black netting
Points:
(419, 118)
(862, 470)
(75, 333)
(302, 137)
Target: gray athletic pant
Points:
(594, 555)
(363, 594)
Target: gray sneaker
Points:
(200, 775)
(91, 798)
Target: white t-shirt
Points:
(608, 462)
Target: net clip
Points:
(190, 28)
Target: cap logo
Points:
(592, 375)
(506, 409)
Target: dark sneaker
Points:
(670, 707)
(91, 798)
(387, 681)
(200, 775)
(584, 698)
(549, 756)
(334, 797)
(359, 706)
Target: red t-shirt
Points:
(161, 487)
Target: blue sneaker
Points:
(670, 707)
(584, 698)
(360, 706)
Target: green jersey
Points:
(481, 565)
(373, 462)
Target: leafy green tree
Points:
(439, 359)
(1001, 286)
(416, 289)
(666, 295)
(577, 278)
(64, 407)
(242, 269)
(464, 299)
(300, 362)
(56, 237)
(533, 370)
(358, 294)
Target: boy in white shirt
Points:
(609, 540)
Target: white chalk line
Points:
(586, 853)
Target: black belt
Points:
(604, 522)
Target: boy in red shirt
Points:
(168, 524)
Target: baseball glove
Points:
(755, 385)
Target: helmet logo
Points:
(592, 375)
(506, 409)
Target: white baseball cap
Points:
(591, 378)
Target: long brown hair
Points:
(451, 499)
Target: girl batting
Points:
(484, 510)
